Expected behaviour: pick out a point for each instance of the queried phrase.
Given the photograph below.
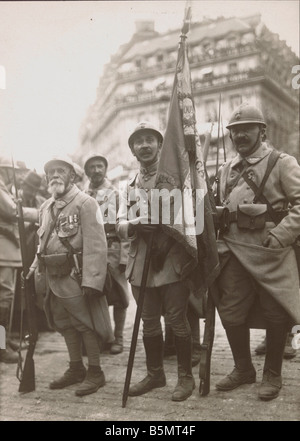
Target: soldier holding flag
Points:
(167, 285)
(184, 257)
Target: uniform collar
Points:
(92, 191)
(149, 171)
(262, 151)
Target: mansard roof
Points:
(210, 29)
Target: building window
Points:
(139, 87)
(235, 101)
(160, 58)
(138, 63)
(233, 67)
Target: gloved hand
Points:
(272, 242)
(91, 292)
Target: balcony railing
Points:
(211, 54)
(164, 93)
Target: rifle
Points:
(207, 143)
(138, 314)
(207, 344)
(210, 311)
(26, 375)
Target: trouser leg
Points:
(169, 346)
(7, 287)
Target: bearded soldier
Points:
(106, 195)
(72, 249)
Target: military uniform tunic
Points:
(107, 196)
(273, 270)
(77, 220)
(167, 288)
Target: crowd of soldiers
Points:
(87, 262)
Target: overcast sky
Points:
(53, 54)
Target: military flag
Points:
(182, 167)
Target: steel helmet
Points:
(246, 114)
(64, 159)
(145, 125)
(78, 170)
(101, 158)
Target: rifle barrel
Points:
(27, 381)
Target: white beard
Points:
(56, 189)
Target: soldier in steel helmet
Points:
(258, 284)
(106, 194)
(167, 289)
(72, 251)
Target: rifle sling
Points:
(67, 244)
(54, 219)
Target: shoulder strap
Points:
(258, 195)
(54, 219)
(67, 244)
(273, 158)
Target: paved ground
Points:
(106, 405)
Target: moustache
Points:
(242, 140)
(145, 150)
(56, 181)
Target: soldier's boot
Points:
(75, 374)
(186, 383)
(94, 379)
(7, 355)
(155, 372)
(261, 348)
(243, 372)
(119, 319)
(272, 380)
(289, 351)
(169, 346)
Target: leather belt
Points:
(225, 217)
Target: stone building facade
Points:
(233, 59)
